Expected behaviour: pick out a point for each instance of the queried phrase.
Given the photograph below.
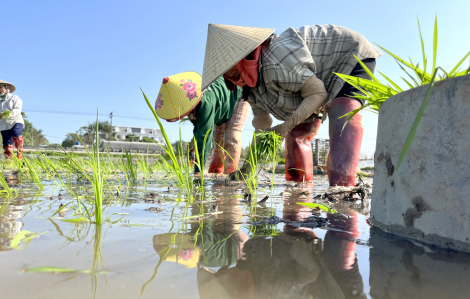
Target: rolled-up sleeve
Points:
(204, 122)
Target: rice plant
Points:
(129, 167)
(375, 92)
(180, 165)
(96, 178)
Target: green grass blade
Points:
(414, 127)
(434, 45)
(367, 70)
(403, 61)
(422, 46)
(454, 70)
(391, 82)
(318, 205)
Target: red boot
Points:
(299, 156)
(8, 151)
(19, 146)
(345, 147)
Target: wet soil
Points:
(221, 246)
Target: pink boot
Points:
(19, 146)
(345, 147)
(8, 151)
(299, 155)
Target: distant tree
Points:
(87, 133)
(54, 145)
(32, 135)
(71, 139)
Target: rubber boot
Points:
(339, 249)
(233, 146)
(8, 151)
(18, 141)
(345, 146)
(299, 155)
(217, 165)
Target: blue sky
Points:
(73, 56)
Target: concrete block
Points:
(428, 197)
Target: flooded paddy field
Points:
(154, 243)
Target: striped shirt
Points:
(289, 59)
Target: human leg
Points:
(233, 135)
(17, 131)
(217, 165)
(7, 144)
(299, 156)
(345, 143)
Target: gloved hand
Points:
(314, 93)
(262, 122)
(279, 130)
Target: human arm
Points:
(314, 93)
(17, 106)
(204, 122)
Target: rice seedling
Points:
(144, 166)
(24, 236)
(96, 179)
(180, 165)
(6, 114)
(32, 172)
(129, 167)
(374, 92)
(6, 188)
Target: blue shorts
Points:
(8, 135)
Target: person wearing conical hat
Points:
(219, 110)
(11, 120)
(291, 76)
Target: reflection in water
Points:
(405, 269)
(9, 226)
(292, 264)
(223, 258)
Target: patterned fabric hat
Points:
(177, 248)
(11, 87)
(178, 95)
(226, 45)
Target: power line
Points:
(85, 113)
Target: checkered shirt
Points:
(288, 60)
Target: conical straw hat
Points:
(11, 87)
(178, 95)
(226, 45)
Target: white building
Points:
(154, 134)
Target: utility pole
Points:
(110, 129)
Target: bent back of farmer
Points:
(218, 112)
(291, 76)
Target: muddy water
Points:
(160, 255)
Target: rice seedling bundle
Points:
(268, 145)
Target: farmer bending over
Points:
(291, 76)
(11, 121)
(220, 110)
